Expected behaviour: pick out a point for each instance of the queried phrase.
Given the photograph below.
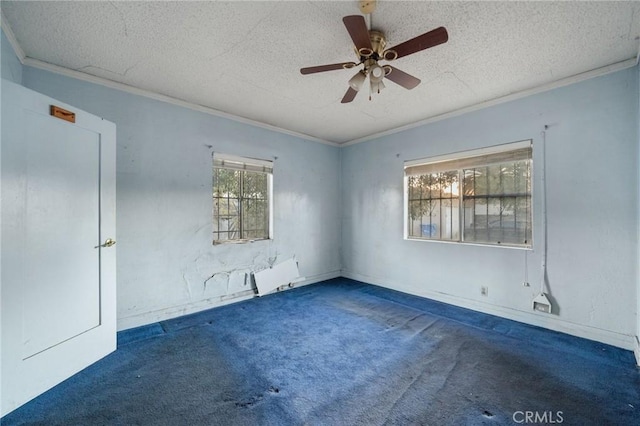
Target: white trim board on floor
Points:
(609, 337)
(145, 318)
(636, 351)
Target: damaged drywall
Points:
(221, 271)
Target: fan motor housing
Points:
(378, 43)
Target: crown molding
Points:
(35, 63)
(13, 41)
(508, 98)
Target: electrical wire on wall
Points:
(541, 302)
(525, 281)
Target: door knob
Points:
(108, 243)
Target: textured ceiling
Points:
(243, 57)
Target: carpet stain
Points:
(273, 389)
(254, 400)
(250, 403)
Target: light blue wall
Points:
(164, 201)
(10, 69)
(592, 164)
(11, 66)
(637, 350)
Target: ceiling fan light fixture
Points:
(357, 81)
(377, 73)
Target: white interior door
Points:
(58, 205)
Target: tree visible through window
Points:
(472, 197)
(434, 202)
(241, 199)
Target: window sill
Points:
(224, 242)
(465, 243)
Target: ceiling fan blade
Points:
(330, 67)
(402, 78)
(349, 96)
(422, 42)
(359, 33)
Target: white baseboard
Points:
(636, 350)
(151, 317)
(605, 336)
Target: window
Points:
(481, 196)
(241, 199)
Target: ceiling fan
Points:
(370, 49)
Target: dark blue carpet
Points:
(344, 353)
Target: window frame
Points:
(243, 164)
(469, 155)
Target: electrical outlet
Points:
(484, 291)
(525, 284)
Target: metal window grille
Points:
(241, 199)
(434, 203)
(497, 203)
(477, 197)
